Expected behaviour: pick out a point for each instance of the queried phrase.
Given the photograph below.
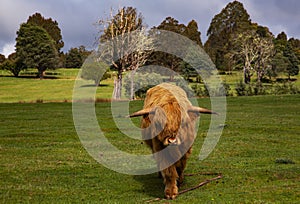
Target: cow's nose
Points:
(172, 140)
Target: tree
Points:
(295, 43)
(12, 65)
(191, 31)
(143, 48)
(165, 59)
(280, 61)
(292, 68)
(286, 51)
(35, 48)
(2, 58)
(50, 26)
(265, 51)
(94, 69)
(233, 19)
(279, 64)
(174, 63)
(76, 56)
(256, 52)
(73, 58)
(117, 31)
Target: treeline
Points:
(38, 45)
(234, 43)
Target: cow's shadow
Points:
(152, 185)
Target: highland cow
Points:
(168, 128)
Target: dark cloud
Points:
(278, 15)
(76, 18)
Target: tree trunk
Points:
(117, 87)
(259, 76)
(41, 73)
(132, 85)
(247, 76)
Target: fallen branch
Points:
(200, 184)
(192, 188)
(202, 173)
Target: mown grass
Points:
(43, 161)
(58, 86)
(55, 87)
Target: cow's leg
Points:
(170, 176)
(180, 166)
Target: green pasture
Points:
(58, 86)
(43, 161)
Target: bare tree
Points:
(125, 34)
(256, 52)
(143, 47)
(265, 50)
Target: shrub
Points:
(142, 82)
(219, 90)
(241, 89)
(227, 89)
(285, 88)
(258, 89)
(12, 66)
(199, 90)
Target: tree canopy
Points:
(51, 26)
(76, 56)
(119, 33)
(35, 48)
(233, 19)
(170, 61)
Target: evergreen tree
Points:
(292, 68)
(173, 62)
(76, 56)
(224, 27)
(50, 26)
(295, 43)
(286, 59)
(35, 48)
(73, 58)
(12, 65)
(2, 58)
(280, 61)
(192, 32)
(166, 59)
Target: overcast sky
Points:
(77, 18)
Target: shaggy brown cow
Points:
(168, 128)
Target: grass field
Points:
(54, 88)
(58, 86)
(42, 160)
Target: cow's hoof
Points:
(171, 193)
(180, 181)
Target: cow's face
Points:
(171, 114)
(168, 124)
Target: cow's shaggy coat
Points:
(168, 128)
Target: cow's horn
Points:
(141, 112)
(196, 109)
